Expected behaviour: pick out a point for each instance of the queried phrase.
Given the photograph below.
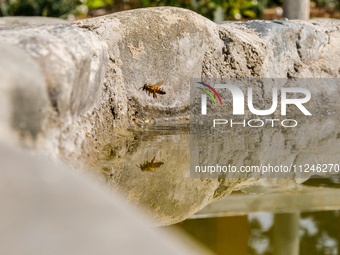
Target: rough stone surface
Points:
(94, 124)
(151, 45)
(288, 49)
(47, 208)
(73, 63)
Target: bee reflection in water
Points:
(149, 165)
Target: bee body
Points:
(154, 89)
(149, 165)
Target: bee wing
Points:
(158, 84)
(157, 164)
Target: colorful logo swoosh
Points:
(212, 89)
(208, 92)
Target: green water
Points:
(306, 233)
(277, 233)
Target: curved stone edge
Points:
(50, 209)
(27, 21)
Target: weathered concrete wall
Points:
(89, 74)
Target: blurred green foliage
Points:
(95, 4)
(273, 3)
(219, 10)
(49, 8)
(329, 4)
(216, 10)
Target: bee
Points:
(148, 166)
(153, 89)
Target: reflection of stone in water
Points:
(169, 195)
(312, 142)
